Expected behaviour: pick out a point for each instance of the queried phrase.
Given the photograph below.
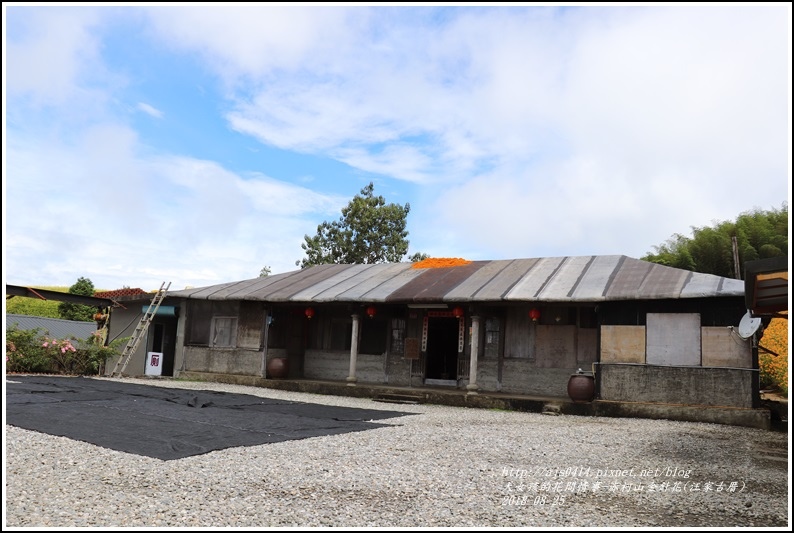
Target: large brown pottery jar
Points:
(277, 368)
(581, 387)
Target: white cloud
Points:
(250, 41)
(524, 132)
(59, 47)
(642, 87)
(124, 216)
(149, 110)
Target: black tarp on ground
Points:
(167, 423)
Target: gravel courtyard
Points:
(439, 467)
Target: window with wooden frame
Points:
(212, 323)
(223, 332)
(397, 336)
(493, 337)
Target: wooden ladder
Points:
(140, 331)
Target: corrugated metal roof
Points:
(548, 279)
(52, 327)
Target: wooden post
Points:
(472, 387)
(351, 378)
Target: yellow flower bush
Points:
(774, 369)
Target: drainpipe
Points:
(472, 387)
(351, 379)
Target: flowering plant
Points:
(59, 346)
(61, 352)
(27, 351)
(24, 352)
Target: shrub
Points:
(28, 351)
(24, 351)
(774, 368)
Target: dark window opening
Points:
(373, 335)
(157, 338)
(277, 330)
(341, 333)
(587, 317)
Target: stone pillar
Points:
(351, 378)
(472, 387)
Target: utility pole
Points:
(736, 269)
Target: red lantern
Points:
(309, 312)
(534, 314)
(457, 312)
(371, 311)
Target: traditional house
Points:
(649, 333)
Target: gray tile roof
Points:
(547, 279)
(52, 327)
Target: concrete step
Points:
(398, 398)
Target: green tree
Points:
(265, 272)
(759, 235)
(73, 311)
(369, 231)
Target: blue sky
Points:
(198, 144)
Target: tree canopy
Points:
(759, 235)
(72, 311)
(369, 231)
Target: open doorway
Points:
(163, 341)
(442, 349)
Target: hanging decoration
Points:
(457, 312)
(309, 312)
(371, 311)
(534, 314)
